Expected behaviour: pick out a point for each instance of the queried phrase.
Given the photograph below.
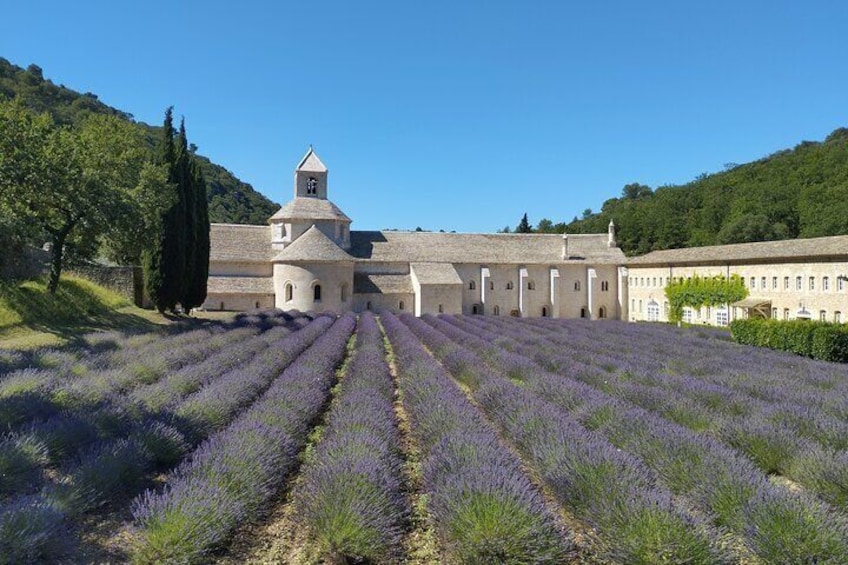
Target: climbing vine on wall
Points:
(697, 291)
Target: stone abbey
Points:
(307, 258)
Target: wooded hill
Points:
(230, 199)
(794, 193)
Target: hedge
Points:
(819, 340)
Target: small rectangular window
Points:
(753, 283)
(785, 283)
(798, 283)
(840, 283)
(825, 283)
(837, 317)
(774, 283)
(763, 283)
(786, 313)
(823, 315)
(812, 283)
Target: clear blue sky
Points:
(459, 115)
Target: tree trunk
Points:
(59, 237)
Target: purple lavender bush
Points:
(231, 477)
(484, 507)
(350, 497)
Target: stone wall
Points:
(126, 281)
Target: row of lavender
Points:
(84, 410)
(231, 477)
(775, 523)
(483, 506)
(804, 437)
(103, 455)
(350, 498)
(613, 491)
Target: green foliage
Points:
(71, 182)
(229, 199)
(802, 192)
(524, 225)
(176, 262)
(698, 291)
(819, 340)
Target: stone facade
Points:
(787, 280)
(308, 244)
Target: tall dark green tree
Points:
(163, 262)
(524, 225)
(186, 196)
(196, 292)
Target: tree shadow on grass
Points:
(77, 308)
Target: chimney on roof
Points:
(564, 246)
(611, 234)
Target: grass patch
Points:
(30, 317)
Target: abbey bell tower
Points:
(310, 177)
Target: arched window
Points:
(289, 292)
(544, 311)
(474, 310)
(472, 285)
(316, 293)
(653, 311)
(577, 288)
(602, 312)
(496, 310)
(311, 186)
(256, 305)
(509, 285)
(401, 305)
(441, 309)
(368, 305)
(531, 285)
(491, 285)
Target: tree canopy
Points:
(74, 183)
(800, 192)
(229, 199)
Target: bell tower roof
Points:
(311, 163)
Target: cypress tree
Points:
(196, 294)
(159, 259)
(187, 214)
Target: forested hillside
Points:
(800, 192)
(230, 200)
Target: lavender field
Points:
(325, 439)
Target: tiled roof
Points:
(435, 273)
(367, 283)
(308, 208)
(311, 162)
(312, 246)
(240, 285)
(758, 252)
(234, 242)
(431, 247)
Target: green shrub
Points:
(819, 340)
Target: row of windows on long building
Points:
(531, 285)
(691, 315)
(753, 283)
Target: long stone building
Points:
(786, 280)
(307, 258)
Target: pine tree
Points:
(524, 225)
